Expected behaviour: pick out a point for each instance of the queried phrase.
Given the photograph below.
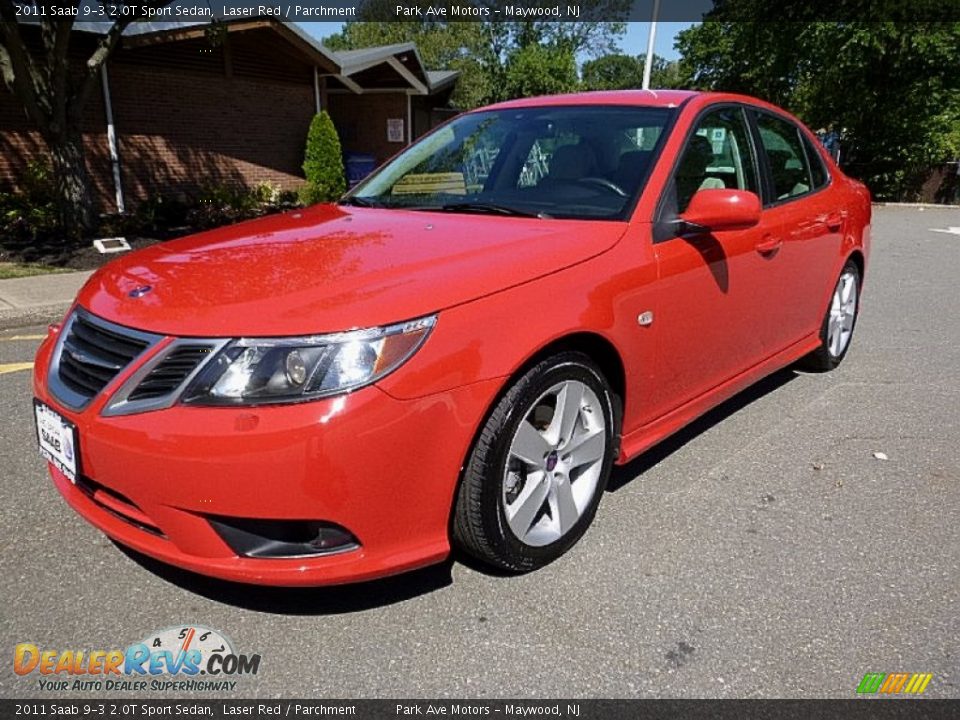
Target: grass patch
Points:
(18, 270)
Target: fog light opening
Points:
(283, 538)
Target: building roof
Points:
(440, 79)
(387, 67)
(373, 53)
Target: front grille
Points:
(172, 370)
(93, 354)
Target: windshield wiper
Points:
(360, 202)
(490, 208)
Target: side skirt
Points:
(666, 425)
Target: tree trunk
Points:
(74, 204)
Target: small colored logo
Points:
(894, 683)
(185, 657)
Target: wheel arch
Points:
(597, 347)
(856, 256)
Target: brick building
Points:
(182, 107)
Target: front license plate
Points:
(57, 437)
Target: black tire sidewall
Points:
(526, 391)
(830, 359)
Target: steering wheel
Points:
(604, 184)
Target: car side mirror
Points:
(714, 210)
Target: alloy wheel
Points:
(843, 312)
(554, 463)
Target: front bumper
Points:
(384, 469)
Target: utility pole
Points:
(648, 65)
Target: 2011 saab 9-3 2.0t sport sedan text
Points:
(458, 351)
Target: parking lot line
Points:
(15, 367)
(22, 337)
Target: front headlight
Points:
(274, 370)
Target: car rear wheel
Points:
(536, 473)
(839, 322)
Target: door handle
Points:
(834, 221)
(769, 245)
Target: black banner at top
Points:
(499, 10)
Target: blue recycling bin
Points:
(358, 166)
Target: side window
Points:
(818, 173)
(717, 155)
(788, 161)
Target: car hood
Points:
(330, 268)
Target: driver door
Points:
(710, 303)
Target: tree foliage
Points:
(625, 72)
(540, 70)
(323, 162)
(893, 88)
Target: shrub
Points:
(223, 204)
(31, 213)
(323, 162)
(158, 212)
(267, 193)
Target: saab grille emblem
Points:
(140, 291)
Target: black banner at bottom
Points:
(861, 708)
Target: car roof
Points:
(646, 98)
(639, 98)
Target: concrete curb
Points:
(11, 318)
(920, 206)
(38, 299)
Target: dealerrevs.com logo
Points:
(179, 659)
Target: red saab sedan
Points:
(457, 352)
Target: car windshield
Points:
(584, 162)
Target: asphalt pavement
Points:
(767, 551)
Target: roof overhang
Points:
(396, 68)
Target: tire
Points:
(533, 467)
(844, 308)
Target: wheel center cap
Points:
(551, 461)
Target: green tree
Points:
(892, 87)
(54, 91)
(666, 74)
(625, 72)
(612, 72)
(323, 162)
(540, 70)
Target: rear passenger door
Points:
(799, 201)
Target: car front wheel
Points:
(536, 473)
